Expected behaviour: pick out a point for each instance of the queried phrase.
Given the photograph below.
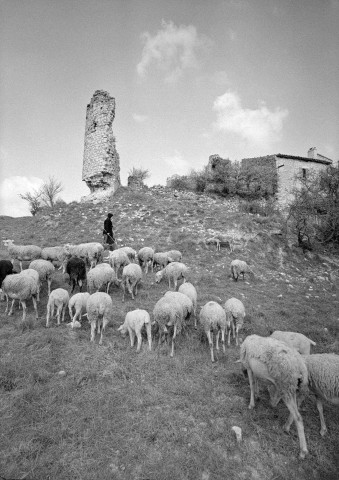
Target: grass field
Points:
(116, 414)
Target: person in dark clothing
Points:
(108, 231)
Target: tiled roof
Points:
(323, 160)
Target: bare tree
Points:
(50, 190)
(33, 199)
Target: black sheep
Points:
(6, 268)
(76, 269)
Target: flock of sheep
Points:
(282, 361)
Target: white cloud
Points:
(260, 127)
(10, 188)
(177, 164)
(173, 49)
(139, 118)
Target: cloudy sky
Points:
(191, 78)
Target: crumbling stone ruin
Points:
(101, 166)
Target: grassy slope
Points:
(120, 415)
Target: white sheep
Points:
(285, 371)
(118, 259)
(166, 314)
(131, 277)
(160, 259)
(295, 340)
(58, 299)
(22, 252)
(188, 289)
(102, 275)
(240, 267)
(183, 300)
(131, 253)
(174, 255)
(213, 319)
(134, 322)
(21, 287)
(174, 271)
(54, 254)
(31, 272)
(323, 378)
(235, 314)
(99, 313)
(78, 303)
(45, 270)
(91, 252)
(145, 258)
(213, 241)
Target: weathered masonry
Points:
(101, 166)
(287, 167)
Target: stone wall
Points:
(101, 166)
(287, 169)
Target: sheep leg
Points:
(139, 341)
(35, 307)
(12, 305)
(58, 314)
(130, 289)
(229, 336)
(223, 341)
(291, 404)
(24, 308)
(63, 310)
(20, 262)
(49, 283)
(48, 315)
(99, 326)
(236, 335)
(131, 337)
(80, 285)
(210, 342)
(93, 327)
(323, 429)
(7, 301)
(174, 335)
(149, 335)
(217, 341)
(123, 291)
(103, 328)
(252, 387)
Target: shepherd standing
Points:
(108, 232)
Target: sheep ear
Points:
(119, 328)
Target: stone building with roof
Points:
(287, 168)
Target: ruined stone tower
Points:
(101, 166)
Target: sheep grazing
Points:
(78, 303)
(131, 253)
(45, 270)
(213, 319)
(285, 371)
(118, 259)
(59, 299)
(295, 340)
(183, 300)
(188, 289)
(239, 267)
(22, 287)
(91, 252)
(6, 268)
(54, 254)
(99, 312)
(235, 314)
(134, 322)
(174, 271)
(22, 252)
(131, 276)
(76, 269)
(101, 276)
(213, 241)
(145, 258)
(174, 255)
(323, 377)
(167, 314)
(160, 259)
(30, 272)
